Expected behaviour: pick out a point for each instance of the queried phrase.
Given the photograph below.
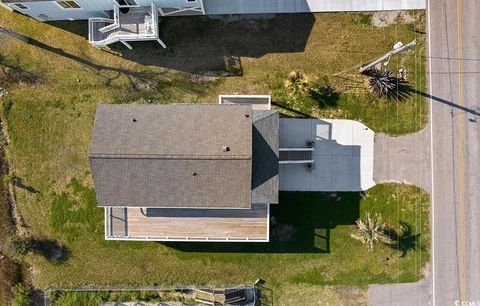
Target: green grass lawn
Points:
(56, 79)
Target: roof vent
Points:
(134, 120)
(226, 149)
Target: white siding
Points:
(90, 8)
(55, 12)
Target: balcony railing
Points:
(138, 24)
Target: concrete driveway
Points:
(343, 155)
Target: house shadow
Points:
(198, 44)
(300, 223)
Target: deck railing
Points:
(101, 36)
(110, 235)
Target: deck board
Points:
(193, 223)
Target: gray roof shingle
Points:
(172, 155)
(265, 157)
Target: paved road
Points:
(455, 144)
(455, 123)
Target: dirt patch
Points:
(9, 270)
(383, 19)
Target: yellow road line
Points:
(461, 134)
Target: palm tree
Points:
(371, 231)
(383, 83)
(296, 83)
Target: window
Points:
(126, 3)
(20, 6)
(43, 17)
(68, 4)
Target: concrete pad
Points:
(343, 155)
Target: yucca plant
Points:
(383, 83)
(371, 231)
(296, 83)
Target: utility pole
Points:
(387, 56)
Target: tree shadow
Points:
(404, 240)
(289, 109)
(325, 96)
(51, 250)
(300, 223)
(17, 182)
(133, 76)
(197, 44)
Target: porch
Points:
(127, 24)
(178, 224)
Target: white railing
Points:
(110, 236)
(115, 22)
(123, 38)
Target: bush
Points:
(7, 179)
(18, 246)
(21, 295)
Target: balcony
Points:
(180, 224)
(133, 24)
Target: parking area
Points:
(343, 155)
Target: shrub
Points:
(383, 83)
(371, 231)
(7, 179)
(18, 246)
(21, 295)
(296, 83)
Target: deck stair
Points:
(138, 24)
(296, 155)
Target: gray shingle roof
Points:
(265, 157)
(172, 155)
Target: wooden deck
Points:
(137, 23)
(190, 224)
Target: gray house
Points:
(185, 172)
(122, 21)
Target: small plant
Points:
(21, 295)
(371, 231)
(18, 246)
(383, 83)
(296, 83)
(7, 179)
(310, 143)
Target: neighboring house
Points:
(186, 172)
(122, 21)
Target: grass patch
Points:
(49, 114)
(93, 298)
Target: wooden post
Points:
(387, 56)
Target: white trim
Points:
(7, 7)
(126, 44)
(284, 162)
(182, 9)
(297, 149)
(189, 239)
(268, 222)
(268, 97)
